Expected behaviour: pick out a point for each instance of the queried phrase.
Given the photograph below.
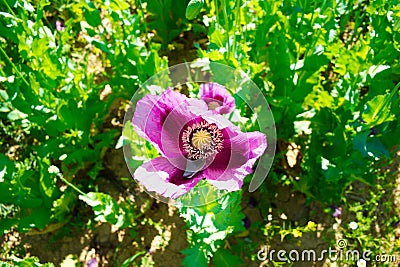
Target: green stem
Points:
(237, 26)
(216, 11)
(188, 70)
(72, 185)
(144, 23)
(8, 7)
(226, 28)
(396, 88)
(306, 55)
(3, 73)
(387, 100)
(13, 66)
(378, 112)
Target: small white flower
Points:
(269, 217)
(353, 225)
(53, 169)
(361, 263)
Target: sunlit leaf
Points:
(195, 257)
(377, 111)
(193, 8)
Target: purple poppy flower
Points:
(337, 211)
(92, 262)
(217, 98)
(60, 25)
(195, 143)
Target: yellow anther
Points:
(201, 139)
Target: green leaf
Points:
(377, 111)
(6, 224)
(218, 38)
(47, 183)
(9, 16)
(193, 8)
(210, 224)
(7, 168)
(334, 143)
(104, 206)
(224, 258)
(205, 199)
(6, 191)
(66, 115)
(16, 115)
(219, 74)
(63, 206)
(230, 204)
(369, 146)
(41, 217)
(330, 171)
(92, 17)
(319, 99)
(99, 44)
(30, 202)
(195, 257)
(38, 217)
(3, 93)
(377, 148)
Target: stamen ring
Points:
(202, 140)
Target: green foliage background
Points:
(329, 69)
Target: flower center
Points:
(202, 140)
(213, 105)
